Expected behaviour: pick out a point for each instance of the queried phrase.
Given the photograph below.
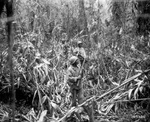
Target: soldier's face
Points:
(79, 45)
(76, 63)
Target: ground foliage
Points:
(115, 51)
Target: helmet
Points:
(64, 36)
(37, 55)
(73, 59)
(79, 42)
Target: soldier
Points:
(65, 49)
(75, 74)
(74, 80)
(64, 45)
(80, 52)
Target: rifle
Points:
(81, 73)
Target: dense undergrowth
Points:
(39, 66)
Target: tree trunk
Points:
(82, 18)
(10, 18)
(143, 19)
(68, 24)
(83, 26)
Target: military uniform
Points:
(80, 52)
(74, 81)
(65, 49)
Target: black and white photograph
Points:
(74, 60)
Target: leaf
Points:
(105, 109)
(45, 61)
(135, 107)
(34, 96)
(139, 82)
(52, 120)
(40, 96)
(116, 97)
(141, 89)
(18, 83)
(116, 107)
(43, 114)
(130, 93)
(114, 83)
(25, 117)
(79, 109)
(31, 115)
(136, 92)
(70, 112)
(86, 117)
(58, 98)
(54, 105)
(44, 99)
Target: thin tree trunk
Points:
(10, 13)
(68, 24)
(82, 17)
(83, 26)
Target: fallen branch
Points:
(103, 95)
(69, 112)
(133, 100)
(124, 83)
